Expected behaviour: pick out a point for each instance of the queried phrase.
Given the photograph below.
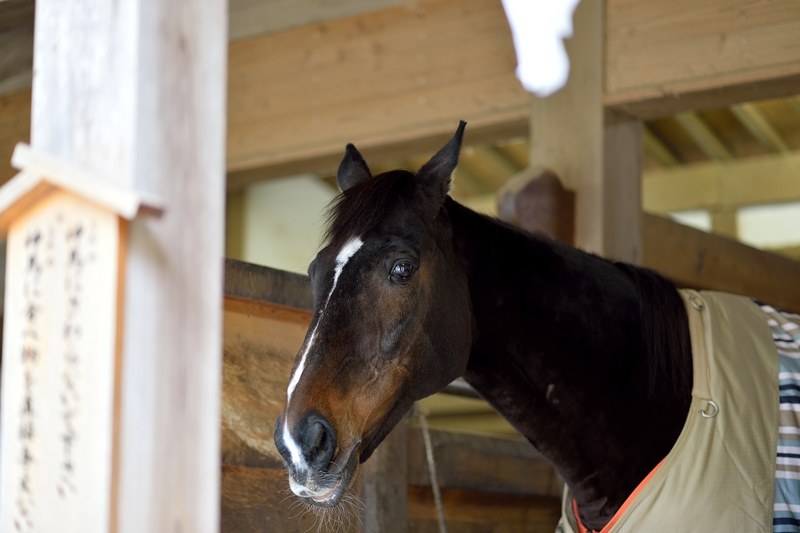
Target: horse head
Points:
(392, 321)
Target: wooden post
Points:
(595, 155)
(622, 188)
(134, 91)
(384, 485)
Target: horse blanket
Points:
(736, 464)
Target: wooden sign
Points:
(61, 352)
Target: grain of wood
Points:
(474, 512)
(677, 50)
(376, 79)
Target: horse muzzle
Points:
(308, 453)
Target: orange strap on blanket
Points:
(621, 510)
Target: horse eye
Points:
(402, 271)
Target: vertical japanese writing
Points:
(31, 348)
(80, 241)
(59, 369)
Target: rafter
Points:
(706, 139)
(759, 126)
(656, 149)
(489, 165)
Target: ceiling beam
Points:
(391, 81)
(759, 126)
(707, 140)
(720, 186)
(487, 162)
(666, 56)
(251, 18)
(654, 148)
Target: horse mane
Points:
(665, 332)
(362, 207)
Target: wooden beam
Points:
(700, 260)
(718, 186)
(700, 133)
(149, 114)
(489, 163)
(622, 171)
(666, 56)
(496, 464)
(725, 222)
(653, 147)
(473, 511)
(567, 128)
(251, 18)
(759, 126)
(392, 82)
(384, 485)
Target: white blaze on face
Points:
(342, 258)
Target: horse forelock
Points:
(365, 206)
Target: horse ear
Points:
(437, 174)
(352, 170)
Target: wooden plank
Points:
(260, 341)
(622, 188)
(149, 114)
(258, 500)
(666, 56)
(392, 81)
(756, 122)
(256, 282)
(700, 260)
(473, 462)
(250, 18)
(384, 486)
(477, 512)
(701, 134)
(719, 186)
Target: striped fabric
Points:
(786, 334)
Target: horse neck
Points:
(558, 351)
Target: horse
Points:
(589, 359)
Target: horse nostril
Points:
(318, 441)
